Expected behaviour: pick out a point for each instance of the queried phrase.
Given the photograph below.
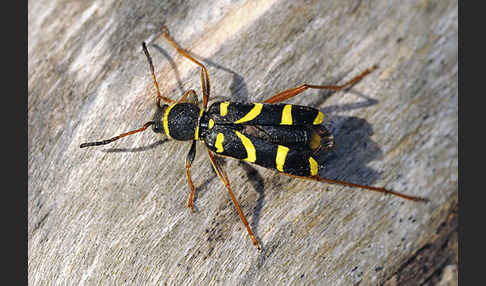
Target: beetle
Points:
(274, 135)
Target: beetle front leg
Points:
(204, 72)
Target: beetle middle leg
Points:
(289, 93)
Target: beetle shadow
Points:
(172, 65)
(136, 149)
(353, 151)
(202, 186)
(257, 182)
(238, 87)
(332, 109)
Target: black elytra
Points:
(276, 136)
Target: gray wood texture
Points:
(116, 214)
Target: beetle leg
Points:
(189, 159)
(289, 93)
(204, 72)
(189, 96)
(370, 188)
(222, 175)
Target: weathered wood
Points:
(117, 214)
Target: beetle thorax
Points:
(178, 121)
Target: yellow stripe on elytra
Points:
(196, 135)
(165, 120)
(254, 112)
(223, 108)
(281, 156)
(250, 149)
(319, 118)
(313, 166)
(286, 115)
(211, 123)
(219, 143)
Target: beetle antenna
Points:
(107, 141)
(156, 84)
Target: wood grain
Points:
(116, 215)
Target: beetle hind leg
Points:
(363, 187)
(222, 175)
(289, 93)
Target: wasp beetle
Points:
(282, 137)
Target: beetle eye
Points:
(157, 128)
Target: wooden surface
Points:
(117, 214)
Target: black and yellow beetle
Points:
(283, 137)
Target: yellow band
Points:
(319, 118)
(165, 121)
(223, 108)
(250, 149)
(313, 166)
(281, 156)
(286, 115)
(196, 135)
(219, 143)
(254, 112)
